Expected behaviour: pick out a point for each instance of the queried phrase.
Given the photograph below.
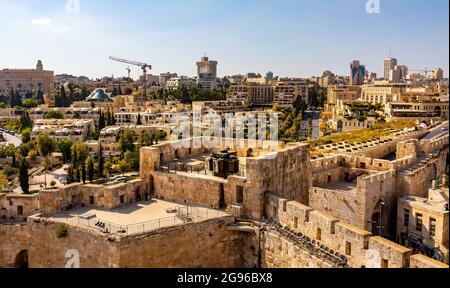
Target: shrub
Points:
(9, 171)
(62, 231)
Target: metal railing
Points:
(183, 215)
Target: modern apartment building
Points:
(207, 73)
(389, 64)
(282, 93)
(357, 73)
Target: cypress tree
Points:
(101, 163)
(90, 168)
(11, 98)
(23, 178)
(17, 99)
(139, 121)
(83, 173)
(101, 121)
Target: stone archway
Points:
(21, 260)
(378, 218)
(250, 152)
(340, 126)
(151, 188)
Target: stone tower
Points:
(39, 65)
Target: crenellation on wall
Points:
(361, 247)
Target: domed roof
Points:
(110, 131)
(98, 95)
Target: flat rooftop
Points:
(339, 186)
(136, 218)
(195, 166)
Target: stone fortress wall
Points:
(207, 244)
(304, 225)
(354, 188)
(359, 247)
(259, 173)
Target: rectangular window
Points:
(432, 227)
(348, 248)
(319, 234)
(406, 218)
(295, 222)
(239, 194)
(19, 210)
(419, 222)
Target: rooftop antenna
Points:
(390, 52)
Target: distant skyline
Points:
(299, 38)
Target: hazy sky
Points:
(289, 37)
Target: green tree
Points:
(54, 114)
(12, 99)
(45, 144)
(65, 147)
(159, 135)
(128, 91)
(124, 166)
(145, 139)
(90, 169)
(3, 181)
(84, 93)
(79, 153)
(26, 135)
(139, 120)
(23, 178)
(25, 122)
(126, 141)
(40, 97)
(132, 158)
(10, 151)
(101, 121)
(17, 99)
(83, 172)
(101, 162)
(64, 99)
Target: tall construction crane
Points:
(144, 67)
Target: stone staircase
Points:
(310, 245)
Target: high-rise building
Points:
(358, 73)
(269, 75)
(403, 69)
(395, 75)
(164, 77)
(389, 64)
(328, 78)
(438, 74)
(207, 73)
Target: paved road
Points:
(438, 132)
(11, 139)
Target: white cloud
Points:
(60, 29)
(41, 21)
